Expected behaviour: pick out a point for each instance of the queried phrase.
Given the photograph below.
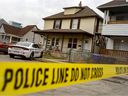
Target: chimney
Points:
(80, 4)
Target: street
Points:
(6, 58)
(116, 86)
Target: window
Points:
(55, 41)
(15, 39)
(122, 17)
(57, 24)
(72, 43)
(35, 46)
(74, 24)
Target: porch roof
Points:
(63, 31)
(115, 5)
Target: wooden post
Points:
(62, 43)
(46, 42)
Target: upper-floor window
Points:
(57, 24)
(75, 24)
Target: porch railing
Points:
(115, 53)
(118, 22)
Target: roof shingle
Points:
(115, 3)
(62, 31)
(17, 31)
(84, 12)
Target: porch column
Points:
(82, 43)
(62, 43)
(105, 12)
(46, 42)
(107, 17)
(10, 40)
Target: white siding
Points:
(66, 24)
(31, 37)
(110, 43)
(115, 29)
(87, 24)
(48, 24)
(2, 29)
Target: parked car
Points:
(4, 47)
(25, 49)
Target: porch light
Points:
(122, 41)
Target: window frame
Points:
(57, 26)
(77, 25)
(55, 41)
(72, 43)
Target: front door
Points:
(86, 44)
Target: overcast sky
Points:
(29, 12)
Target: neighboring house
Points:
(11, 34)
(29, 35)
(115, 26)
(15, 24)
(2, 21)
(72, 29)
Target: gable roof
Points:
(2, 21)
(112, 4)
(84, 12)
(17, 31)
(11, 30)
(27, 29)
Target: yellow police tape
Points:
(27, 77)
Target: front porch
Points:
(66, 39)
(114, 53)
(8, 38)
(117, 43)
(116, 46)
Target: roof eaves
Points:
(105, 7)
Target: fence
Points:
(84, 56)
(88, 57)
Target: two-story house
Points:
(74, 28)
(115, 25)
